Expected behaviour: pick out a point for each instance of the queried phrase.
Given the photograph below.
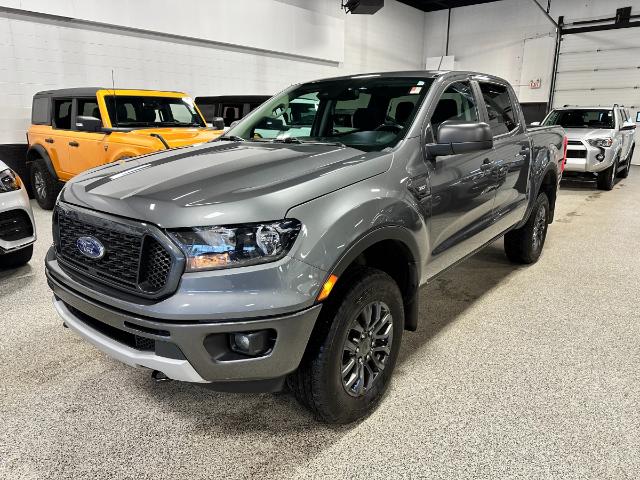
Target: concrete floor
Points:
(514, 373)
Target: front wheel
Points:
(524, 245)
(353, 350)
(625, 173)
(607, 178)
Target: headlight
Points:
(212, 248)
(600, 142)
(9, 181)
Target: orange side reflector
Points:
(327, 287)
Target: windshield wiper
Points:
(230, 138)
(286, 140)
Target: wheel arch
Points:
(38, 152)
(393, 250)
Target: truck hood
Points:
(179, 136)
(584, 133)
(221, 183)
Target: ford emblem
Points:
(90, 247)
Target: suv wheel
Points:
(17, 258)
(607, 178)
(345, 372)
(524, 245)
(45, 186)
(625, 173)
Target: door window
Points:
(62, 114)
(456, 103)
(502, 115)
(88, 107)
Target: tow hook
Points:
(158, 376)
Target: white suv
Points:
(601, 140)
(17, 228)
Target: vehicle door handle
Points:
(74, 144)
(487, 164)
(49, 140)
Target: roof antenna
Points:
(115, 99)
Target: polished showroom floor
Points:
(514, 372)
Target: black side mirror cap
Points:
(454, 137)
(218, 123)
(88, 124)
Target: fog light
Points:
(250, 343)
(600, 157)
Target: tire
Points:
(524, 245)
(45, 186)
(336, 343)
(17, 258)
(625, 173)
(607, 178)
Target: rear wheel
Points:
(524, 245)
(625, 173)
(45, 186)
(16, 259)
(353, 350)
(607, 178)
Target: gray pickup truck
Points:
(601, 141)
(293, 248)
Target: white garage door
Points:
(600, 68)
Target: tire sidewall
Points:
(541, 202)
(47, 202)
(343, 406)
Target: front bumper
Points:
(192, 351)
(582, 157)
(17, 200)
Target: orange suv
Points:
(75, 129)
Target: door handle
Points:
(487, 164)
(49, 140)
(74, 144)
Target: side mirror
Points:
(535, 124)
(88, 124)
(455, 137)
(628, 126)
(218, 123)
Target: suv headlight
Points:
(9, 181)
(600, 142)
(212, 248)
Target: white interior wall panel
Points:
(600, 68)
(40, 54)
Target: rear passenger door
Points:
(511, 153)
(61, 135)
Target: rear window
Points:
(40, 111)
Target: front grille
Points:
(576, 154)
(133, 259)
(577, 143)
(15, 225)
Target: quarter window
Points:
(62, 114)
(40, 111)
(502, 115)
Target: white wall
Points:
(40, 53)
(491, 37)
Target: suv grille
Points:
(133, 260)
(15, 225)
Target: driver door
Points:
(463, 187)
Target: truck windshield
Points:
(368, 112)
(141, 111)
(581, 118)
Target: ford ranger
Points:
(264, 258)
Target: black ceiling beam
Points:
(435, 5)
